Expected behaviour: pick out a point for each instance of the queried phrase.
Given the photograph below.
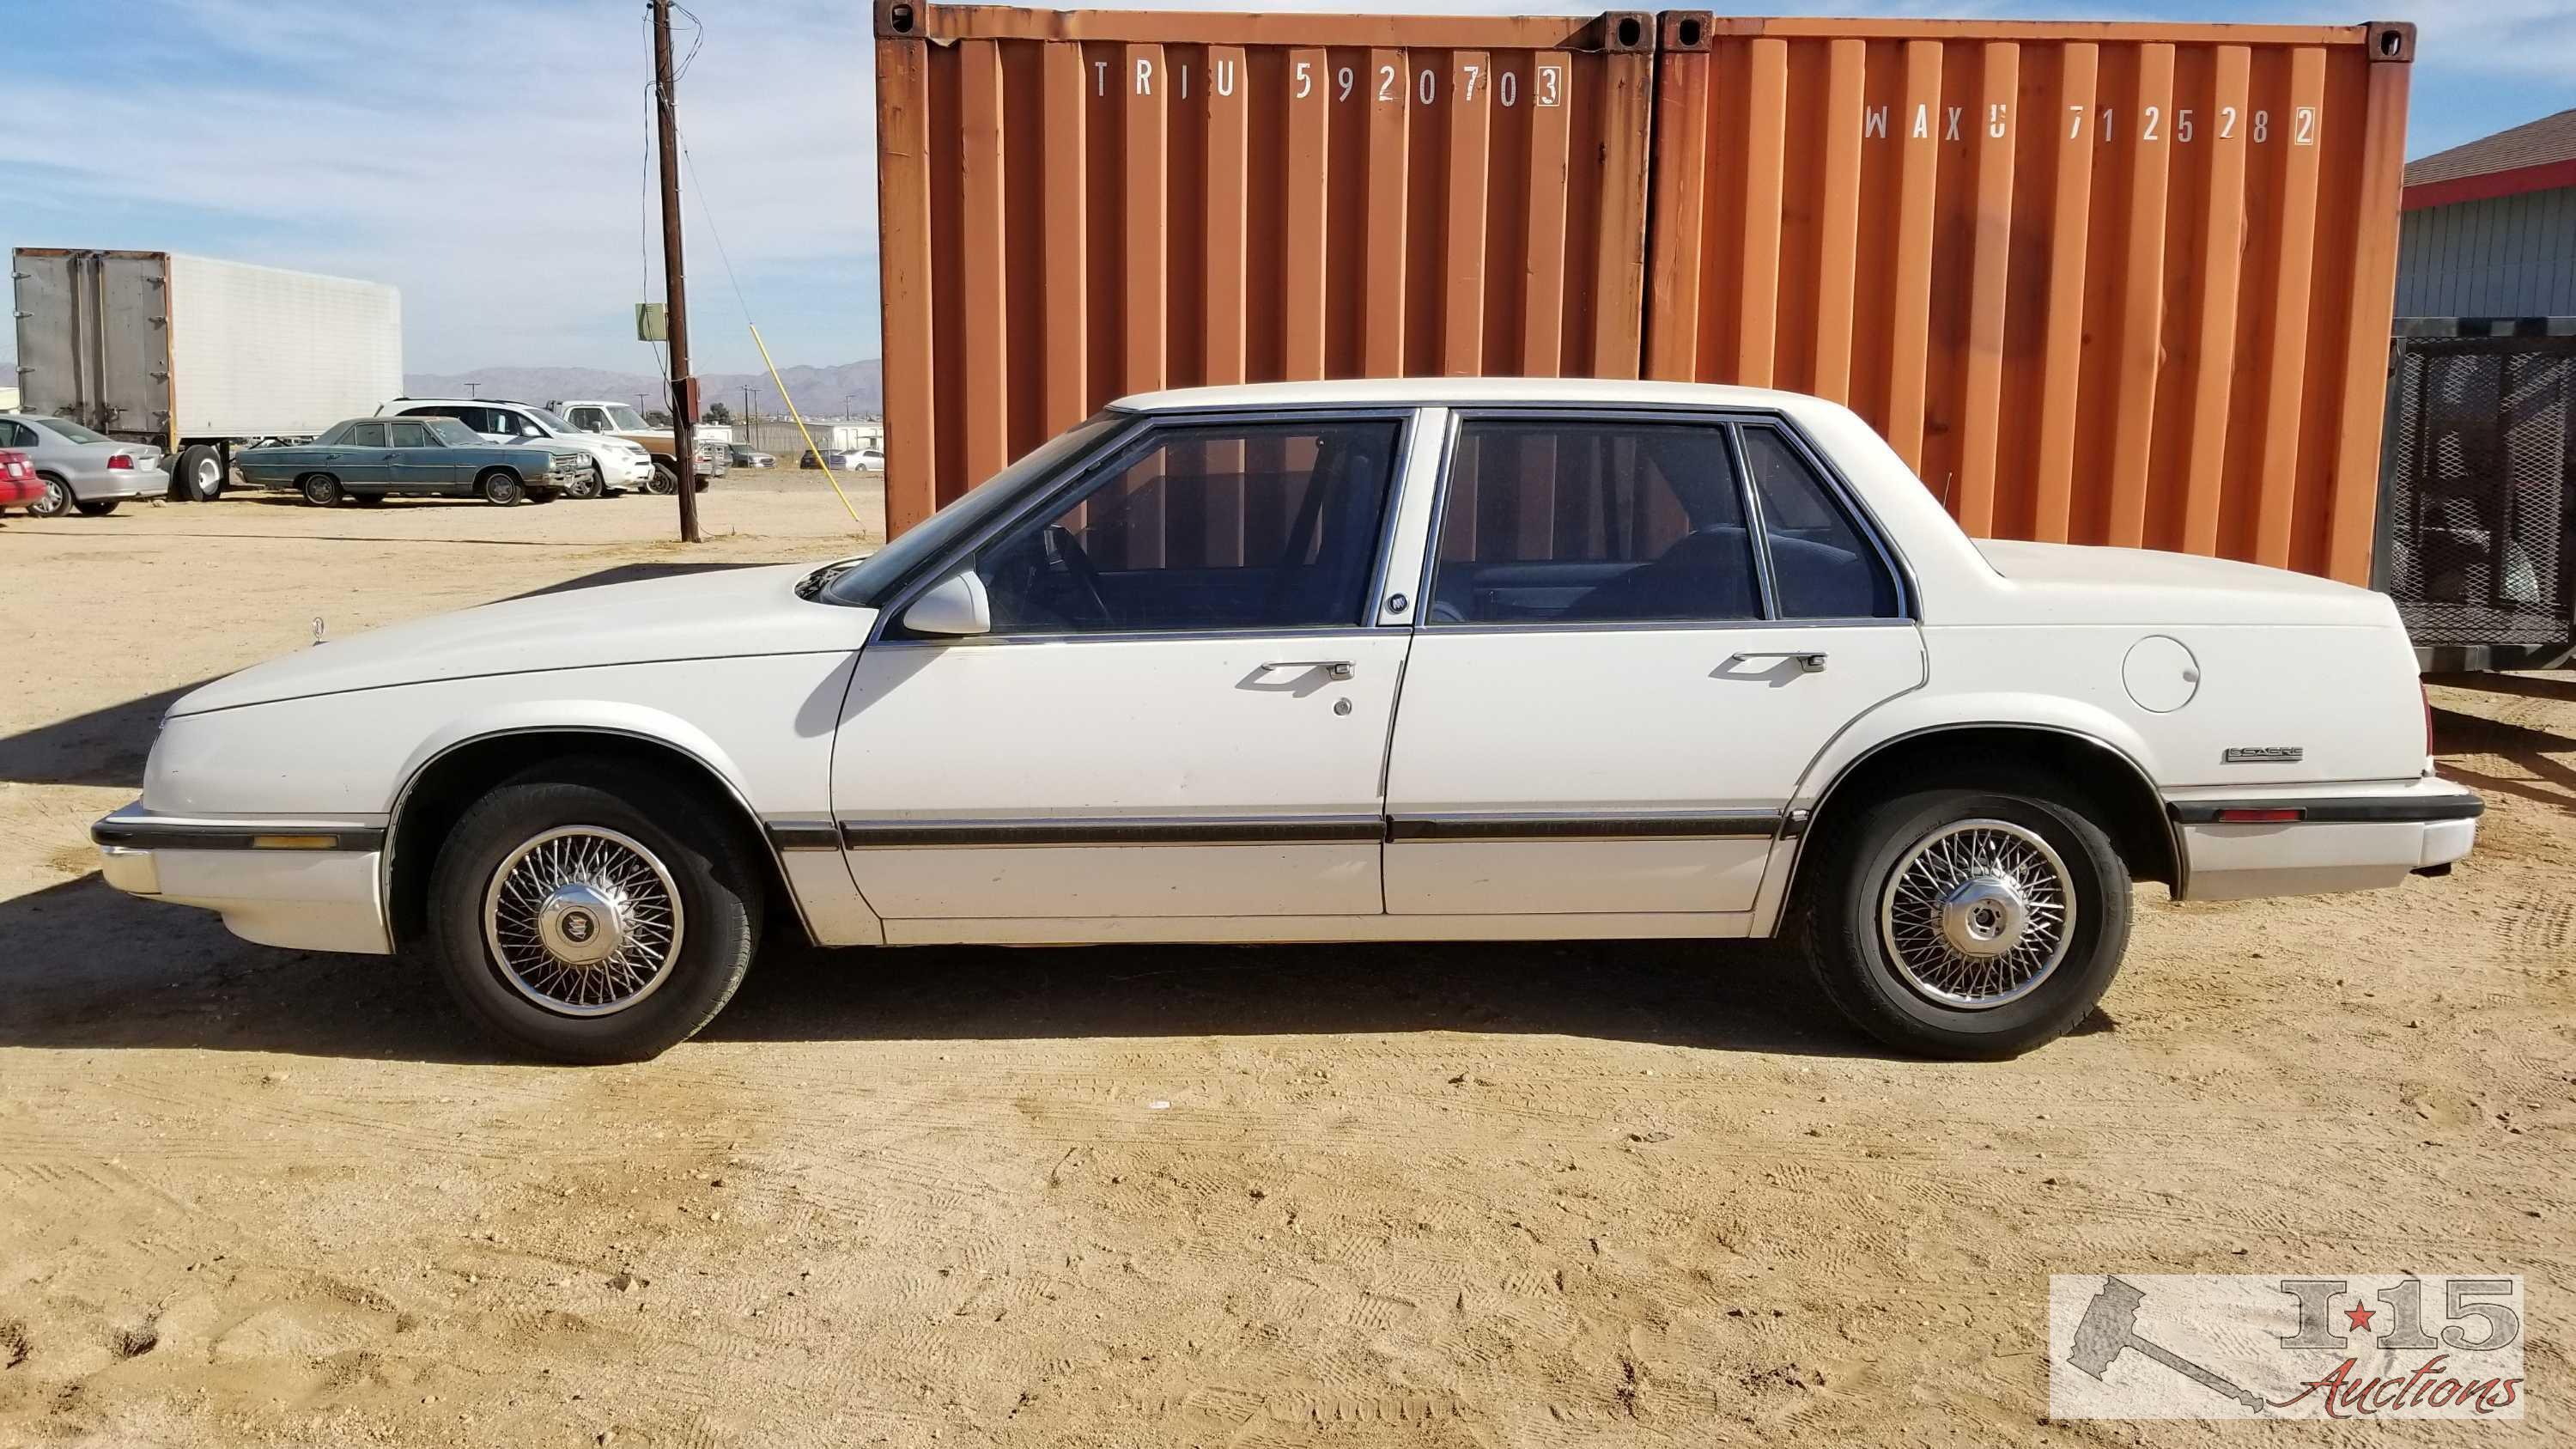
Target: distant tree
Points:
(718, 413)
(657, 419)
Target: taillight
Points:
(120, 460)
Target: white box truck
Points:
(199, 356)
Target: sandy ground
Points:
(1480, 1195)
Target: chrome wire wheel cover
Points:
(583, 921)
(1977, 914)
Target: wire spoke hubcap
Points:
(583, 921)
(1977, 914)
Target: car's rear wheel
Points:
(319, 489)
(53, 501)
(198, 474)
(1974, 923)
(501, 486)
(666, 477)
(573, 923)
(97, 507)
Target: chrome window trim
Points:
(1757, 529)
(1731, 420)
(1081, 472)
(1141, 636)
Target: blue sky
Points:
(487, 156)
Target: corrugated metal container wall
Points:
(2122, 284)
(1079, 205)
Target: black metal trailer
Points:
(2478, 490)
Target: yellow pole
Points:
(799, 420)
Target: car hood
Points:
(2080, 584)
(707, 615)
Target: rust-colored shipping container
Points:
(2098, 282)
(2122, 284)
(1079, 205)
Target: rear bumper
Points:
(2289, 840)
(97, 485)
(306, 884)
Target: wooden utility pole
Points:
(684, 388)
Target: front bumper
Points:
(2307, 840)
(629, 470)
(311, 885)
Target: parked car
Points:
(1747, 677)
(18, 483)
(596, 415)
(616, 464)
(365, 459)
(81, 469)
(745, 457)
(846, 459)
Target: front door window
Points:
(1224, 527)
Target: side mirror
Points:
(956, 605)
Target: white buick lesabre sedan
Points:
(1350, 661)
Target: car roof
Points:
(501, 402)
(1434, 391)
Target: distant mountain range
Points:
(819, 391)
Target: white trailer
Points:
(198, 355)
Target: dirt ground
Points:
(1481, 1195)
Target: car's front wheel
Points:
(1968, 923)
(666, 477)
(501, 486)
(573, 923)
(593, 484)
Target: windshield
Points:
(66, 428)
(873, 579)
(554, 422)
(453, 433)
(626, 419)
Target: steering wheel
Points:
(1064, 552)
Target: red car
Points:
(19, 485)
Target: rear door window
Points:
(1580, 521)
(1822, 566)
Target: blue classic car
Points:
(364, 459)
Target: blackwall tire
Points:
(1925, 922)
(198, 475)
(666, 478)
(501, 487)
(320, 489)
(657, 991)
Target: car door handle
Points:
(1337, 668)
(1811, 661)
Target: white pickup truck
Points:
(1425, 659)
